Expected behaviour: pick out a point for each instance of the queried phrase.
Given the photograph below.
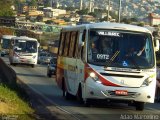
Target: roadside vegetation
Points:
(13, 103)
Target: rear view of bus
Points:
(23, 50)
(5, 44)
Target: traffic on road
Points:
(88, 81)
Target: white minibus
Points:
(107, 61)
(23, 50)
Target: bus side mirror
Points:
(38, 44)
(156, 45)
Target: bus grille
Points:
(110, 93)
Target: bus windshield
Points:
(25, 46)
(5, 43)
(123, 49)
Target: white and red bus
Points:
(23, 50)
(122, 68)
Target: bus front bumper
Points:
(95, 90)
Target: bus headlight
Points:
(147, 81)
(94, 77)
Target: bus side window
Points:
(66, 45)
(80, 45)
(61, 45)
(77, 46)
(84, 36)
(72, 44)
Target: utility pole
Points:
(51, 2)
(108, 10)
(90, 5)
(81, 4)
(119, 12)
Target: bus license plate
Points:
(121, 92)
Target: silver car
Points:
(44, 58)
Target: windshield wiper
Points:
(112, 58)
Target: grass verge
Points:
(14, 103)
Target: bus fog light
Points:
(147, 81)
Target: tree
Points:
(82, 12)
(39, 18)
(33, 3)
(92, 14)
(125, 20)
(141, 24)
(47, 3)
(134, 19)
(49, 22)
(6, 9)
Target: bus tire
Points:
(87, 103)
(139, 106)
(79, 94)
(63, 88)
(68, 96)
(65, 93)
(14, 64)
(49, 75)
(33, 66)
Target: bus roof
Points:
(25, 38)
(108, 25)
(8, 36)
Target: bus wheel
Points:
(33, 66)
(87, 103)
(79, 95)
(63, 88)
(49, 75)
(139, 105)
(65, 93)
(14, 64)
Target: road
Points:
(37, 80)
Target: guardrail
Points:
(7, 74)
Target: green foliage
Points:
(39, 18)
(70, 8)
(130, 20)
(49, 22)
(47, 3)
(92, 14)
(5, 6)
(141, 24)
(15, 101)
(33, 3)
(114, 16)
(134, 19)
(83, 12)
(104, 19)
(125, 20)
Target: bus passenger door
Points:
(80, 64)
